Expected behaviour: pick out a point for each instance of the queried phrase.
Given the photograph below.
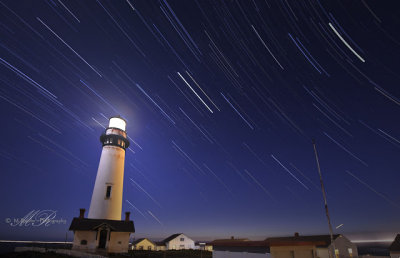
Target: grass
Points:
(134, 253)
(32, 254)
(168, 254)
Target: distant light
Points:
(117, 122)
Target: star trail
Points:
(222, 100)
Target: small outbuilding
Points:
(101, 235)
(178, 241)
(144, 244)
(394, 248)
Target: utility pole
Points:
(326, 203)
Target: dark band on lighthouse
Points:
(114, 140)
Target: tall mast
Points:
(324, 195)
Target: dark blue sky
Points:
(222, 99)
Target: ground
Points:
(136, 254)
(32, 255)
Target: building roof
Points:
(241, 245)
(171, 237)
(85, 224)
(395, 246)
(238, 242)
(317, 240)
(137, 241)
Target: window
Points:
(292, 254)
(182, 239)
(182, 247)
(337, 253)
(141, 247)
(350, 250)
(108, 191)
(149, 247)
(83, 242)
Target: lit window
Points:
(337, 253)
(108, 192)
(149, 247)
(350, 250)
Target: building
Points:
(394, 248)
(160, 246)
(311, 246)
(205, 246)
(177, 242)
(240, 248)
(317, 246)
(144, 244)
(104, 231)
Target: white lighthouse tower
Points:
(107, 193)
(103, 230)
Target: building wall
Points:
(144, 245)
(228, 254)
(322, 253)
(293, 251)
(161, 248)
(394, 254)
(89, 236)
(342, 244)
(177, 244)
(118, 243)
(110, 172)
(208, 248)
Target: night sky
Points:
(222, 99)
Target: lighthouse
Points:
(107, 193)
(103, 231)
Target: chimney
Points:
(296, 234)
(127, 215)
(81, 213)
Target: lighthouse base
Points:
(101, 235)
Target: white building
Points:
(104, 231)
(177, 242)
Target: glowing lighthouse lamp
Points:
(104, 230)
